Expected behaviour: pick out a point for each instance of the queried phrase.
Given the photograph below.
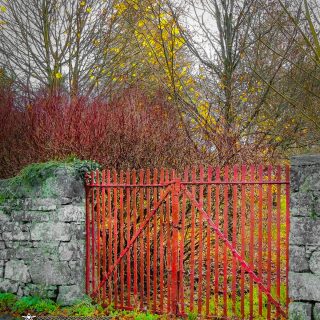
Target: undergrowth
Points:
(10, 303)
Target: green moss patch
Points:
(37, 175)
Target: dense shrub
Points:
(131, 131)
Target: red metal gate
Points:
(214, 243)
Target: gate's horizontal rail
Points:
(184, 183)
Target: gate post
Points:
(304, 245)
(175, 245)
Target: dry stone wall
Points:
(42, 237)
(304, 274)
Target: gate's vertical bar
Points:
(183, 222)
(135, 254)
(155, 240)
(175, 245)
(200, 261)
(141, 207)
(260, 235)
(252, 227)
(243, 227)
(115, 248)
(287, 230)
(98, 228)
(269, 206)
(110, 233)
(234, 237)
(128, 205)
(104, 240)
(148, 239)
(87, 190)
(92, 231)
(193, 179)
(121, 241)
(161, 251)
(216, 244)
(208, 262)
(226, 231)
(278, 230)
(168, 216)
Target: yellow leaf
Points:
(92, 77)
(175, 30)
(89, 10)
(3, 8)
(244, 99)
(82, 3)
(120, 7)
(58, 75)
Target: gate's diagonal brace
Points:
(133, 239)
(234, 251)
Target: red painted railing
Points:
(214, 243)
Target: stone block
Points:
(71, 213)
(67, 185)
(27, 254)
(15, 231)
(40, 290)
(305, 160)
(47, 231)
(4, 255)
(17, 270)
(50, 272)
(310, 181)
(4, 216)
(304, 230)
(78, 271)
(304, 286)
(68, 295)
(71, 250)
(49, 250)
(316, 311)
(65, 200)
(310, 249)
(297, 258)
(41, 204)
(78, 231)
(315, 262)
(12, 244)
(305, 204)
(30, 216)
(9, 286)
(300, 311)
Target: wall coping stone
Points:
(305, 160)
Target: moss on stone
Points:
(39, 178)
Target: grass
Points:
(10, 303)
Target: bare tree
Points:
(73, 44)
(240, 116)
